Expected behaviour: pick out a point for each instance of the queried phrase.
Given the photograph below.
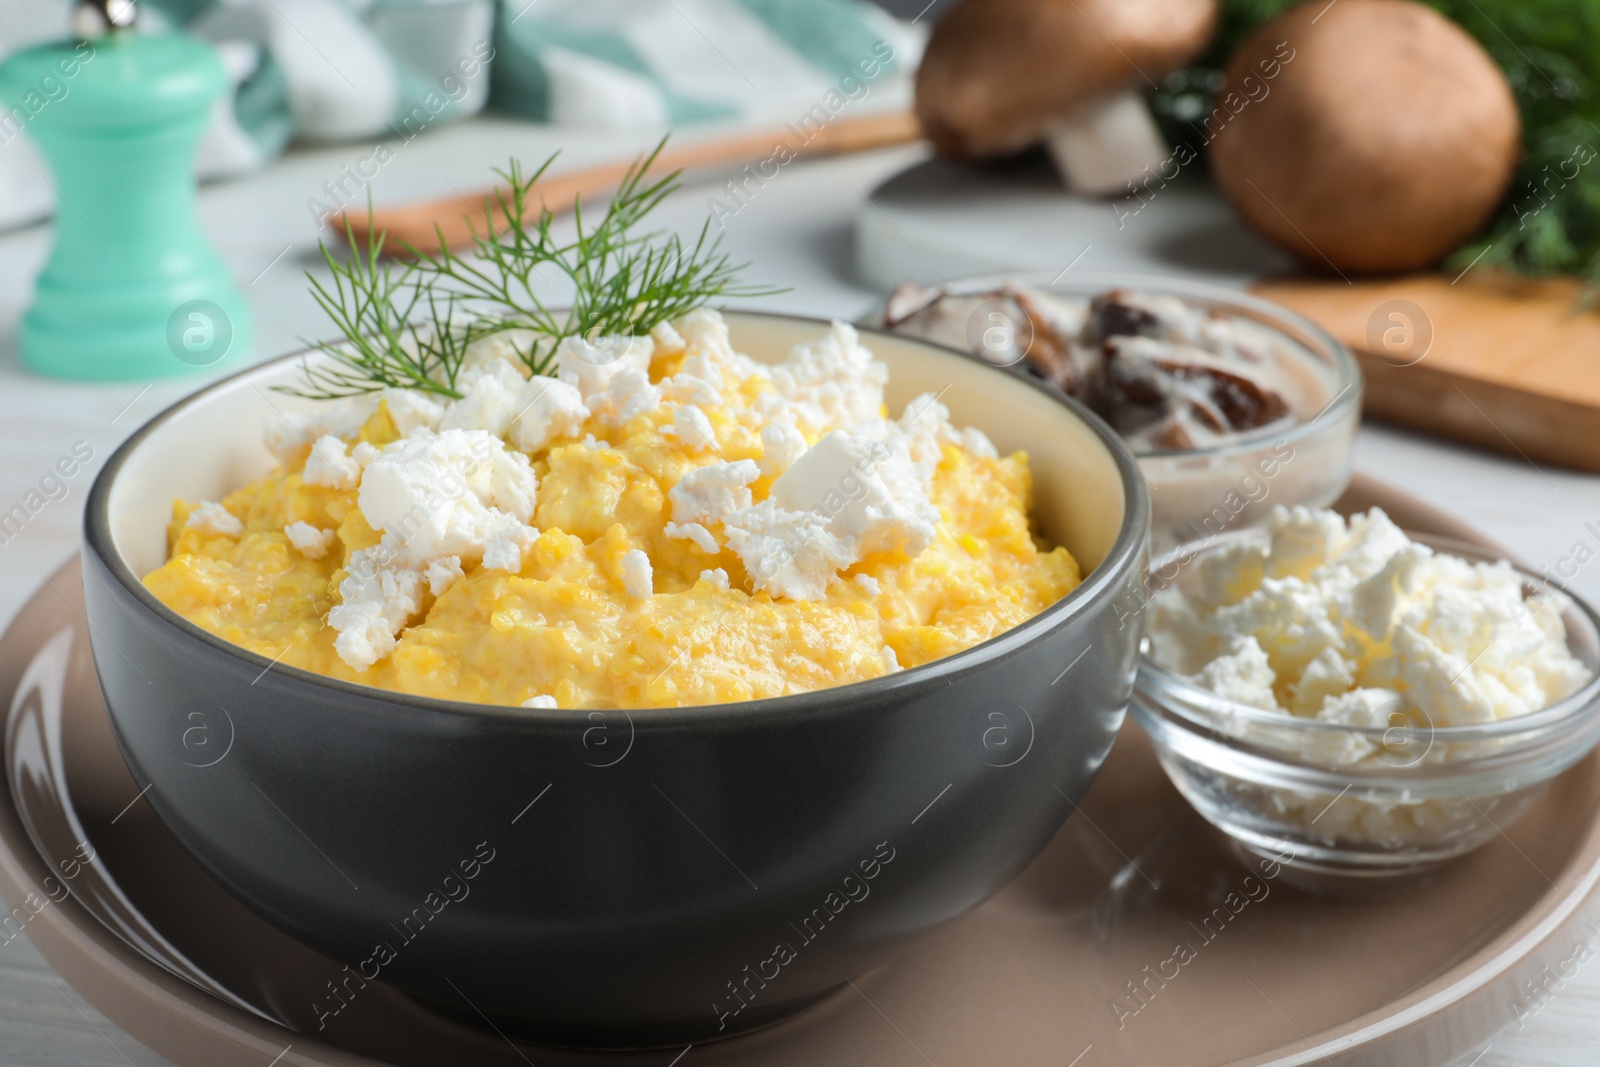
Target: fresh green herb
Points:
(388, 341)
(408, 324)
(1550, 51)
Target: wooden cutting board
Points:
(1509, 364)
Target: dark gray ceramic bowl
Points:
(613, 879)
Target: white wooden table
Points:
(796, 232)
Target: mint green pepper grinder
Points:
(132, 290)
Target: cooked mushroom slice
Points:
(1113, 314)
(946, 318)
(1002, 326)
(907, 299)
(1153, 394)
(1049, 350)
(1002, 75)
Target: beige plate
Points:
(1062, 967)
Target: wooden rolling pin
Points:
(454, 221)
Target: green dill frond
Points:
(395, 334)
(408, 325)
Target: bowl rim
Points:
(1175, 697)
(1348, 383)
(1124, 553)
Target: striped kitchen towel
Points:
(386, 70)
(620, 63)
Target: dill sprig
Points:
(408, 324)
(1550, 51)
(396, 334)
(1549, 223)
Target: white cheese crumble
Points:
(698, 383)
(667, 339)
(787, 553)
(540, 702)
(442, 574)
(491, 396)
(1330, 621)
(891, 662)
(212, 518)
(309, 541)
(627, 396)
(866, 488)
(411, 411)
(637, 575)
(782, 443)
(289, 432)
(439, 498)
(590, 366)
(499, 398)
(927, 423)
(512, 484)
(504, 553)
(700, 378)
(868, 584)
(767, 407)
(508, 345)
(446, 494)
(376, 602)
(717, 577)
(1363, 708)
(868, 491)
(331, 465)
(834, 381)
(705, 340)
(713, 492)
(691, 426)
(550, 410)
(695, 533)
(1241, 674)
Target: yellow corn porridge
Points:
(664, 522)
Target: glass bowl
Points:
(1197, 494)
(1341, 806)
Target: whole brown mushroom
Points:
(1387, 139)
(1001, 75)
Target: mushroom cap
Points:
(997, 74)
(1386, 140)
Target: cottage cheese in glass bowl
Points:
(1368, 702)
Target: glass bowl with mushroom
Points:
(1230, 404)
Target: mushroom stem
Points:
(1104, 144)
